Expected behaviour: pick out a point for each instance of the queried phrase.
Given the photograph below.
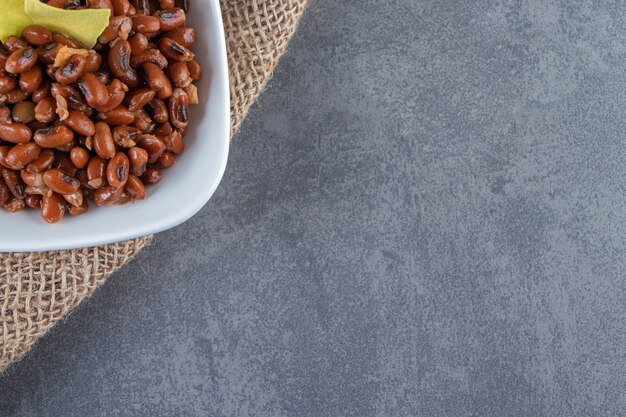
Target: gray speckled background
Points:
(423, 215)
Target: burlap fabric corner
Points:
(38, 289)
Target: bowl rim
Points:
(195, 203)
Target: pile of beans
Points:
(80, 126)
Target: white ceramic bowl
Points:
(184, 189)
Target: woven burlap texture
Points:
(39, 289)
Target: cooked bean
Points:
(142, 7)
(138, 43)
(4, 151)
(139, 98)
(167, 159)
(75, 199)
(31, 80)
(60, 182)
(21, 60)
(144, 122)
(42, 163)
(107, 195)
(94, 91)
(174, 142)
(47, 54)
(16, 95)
(163, 130)
(171, 19)
(5, 194)
(32, 179)
(167, 4)
(135, 188)
(101, 4)
(96, 169)
(119, 116)
(79, 157)
(33, 201)
(119, 27)
(64, 40)
(22, 154)
(15, 205)
(153, 145)
(195, 70)
(121, 7)
(15, 132)
(178, 72)
(174, 51)
(71, 71)
(103, 141)
(183, 4)
(117, 93)
(63, 162)
(43, 91)
(152, 176)
(5, 114)
(138, 158)
(45, 111)
(119, 63)
(166, 91)
(14, 182)
(80, 123)
(7, 83)
(52, 207)
(145, 24)
(52, 137)
(155, 78)
(77, 211)
(117, 170)
(125, 136)
(93, 62)
(13, 43)
(37, 35)
(24, 112)
(178, 107)
(149, 55)
(158, 109)
(185, 36)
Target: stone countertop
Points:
(422, 215)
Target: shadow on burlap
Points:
(38, 289)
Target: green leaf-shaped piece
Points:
(13, 18)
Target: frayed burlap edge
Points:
(38, 289)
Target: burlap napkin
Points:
(38, 289)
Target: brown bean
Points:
(101, 4)
(63, 162)
(52, 207)
(5, 194)
(5, 114)
(153, 145)
(80, 123)
(37, 35)
(14, 182)
(121, 7)
(138, 43)
(144, 122)
(32, 179)
(4, 151)
(174, 142)
(14, 205)
(119, 63)
(21, 60)
(64, 40)
(77, 211)
(71, 71)
(195, 70)
(174, 51)
(93, 62)
(16, 95)
(119, 116)
(33, 201)
(15, 132)
(52, 137)
(117, 92)
(135, 188)
(125, 136)
(43, 91)
(142, 7)
(185, 36)
(94, 91)
(7, 83)
(42, 163)
(167, 4)
(59, 182)
(155, 78)
(171, 19)
(179, 74)
(119, 27)
(145, 24)
(70, 98)
(152, 176)
(167, 159)
(163, 130)
(158, 109)
(107, 195)
(117, 170)
(22, 154)
(75, 199)
(31, 80)
(138, 158)
(13, 43)
(47, 54)
(178, 107)
(139, 98)
(166, 91)
(183, 4)
(103, 141)
(23, 112)
(149, 55)
(45, 111)
(96, 169)
(79, 157)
